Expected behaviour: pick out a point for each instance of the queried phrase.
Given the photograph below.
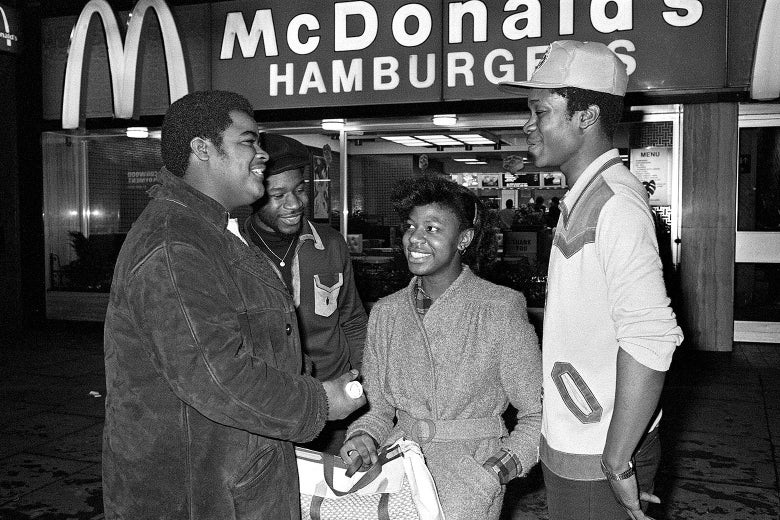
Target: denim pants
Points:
(593, 499)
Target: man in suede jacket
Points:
(203, 359)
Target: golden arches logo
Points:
(122, 60)
(6, 34)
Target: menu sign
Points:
(653, 166)
(520, 180)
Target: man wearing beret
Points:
(609, 332)
(314, 263)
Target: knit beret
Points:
(284, 154)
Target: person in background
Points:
(314, 263)
(553, 213)
(507, 215)
(446, 355)
(539, 205)
(609, 333)
(202, 353)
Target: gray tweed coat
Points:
(472, 354)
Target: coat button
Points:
(288, 329)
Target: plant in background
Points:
(524, 277)
(375, 281)
(94, 264)
(526, 217)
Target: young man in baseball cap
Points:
(609, 331)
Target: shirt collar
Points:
(576, 191)
(308, 232)
(422, 302)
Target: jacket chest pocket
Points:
(267, 335)
(326, 296)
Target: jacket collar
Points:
(308, 232)
(464, 278)
(177, 190)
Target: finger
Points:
(355, 463)
(647, 497)
(346, 453)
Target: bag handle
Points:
(367, 478)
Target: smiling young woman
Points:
(447, 351)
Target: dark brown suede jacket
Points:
(202, 358)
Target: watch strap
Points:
(630, 472)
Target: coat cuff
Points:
(318, 408)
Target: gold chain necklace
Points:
(281, 260)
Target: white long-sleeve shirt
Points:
(605, 291)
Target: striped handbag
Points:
(398, 487)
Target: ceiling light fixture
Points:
(466, 140)
(439, 140)
(333, 124)
(474, 139)
(405, 140)
(445, 120)
(137, 132)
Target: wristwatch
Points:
(630, 472)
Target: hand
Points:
(358, 452)
(340, 404)
(627, 494)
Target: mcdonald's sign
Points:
(122, 59)
(9, 36)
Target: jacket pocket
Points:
(257, 486)
(264, 334)
(479, 478)
(469, 490)
(326, 296)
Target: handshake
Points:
(345, 395)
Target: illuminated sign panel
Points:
(122, 59)
(290, 54)
(282, 54)
(666, 45)
(9, 29)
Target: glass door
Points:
(757, 255)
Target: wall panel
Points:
(708, 224)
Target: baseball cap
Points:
(570, 63)
(285, 153)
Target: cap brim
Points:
(522, 88)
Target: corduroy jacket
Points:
(202, 358)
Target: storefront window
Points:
(96, 188)
(757, 271)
